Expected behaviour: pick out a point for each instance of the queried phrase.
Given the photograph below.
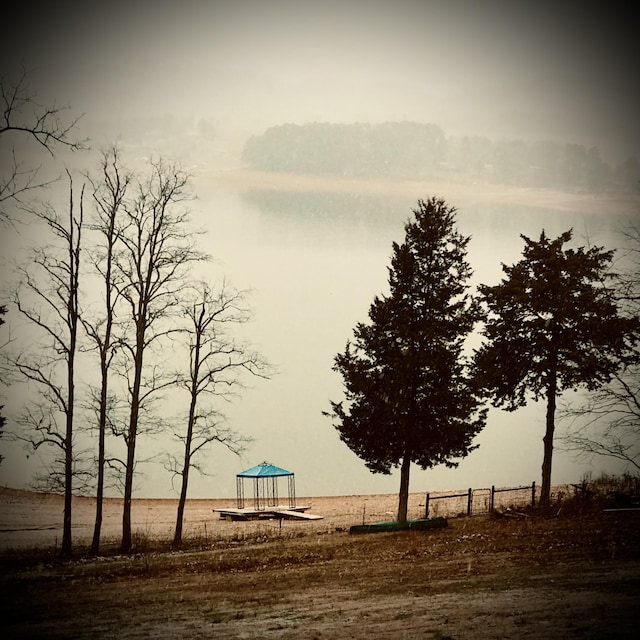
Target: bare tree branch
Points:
(607, 422)
(22, 116)
(216, 362)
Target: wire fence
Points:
(474, 501)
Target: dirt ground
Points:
(573, 574)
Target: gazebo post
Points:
(292, 491)
(240, 491)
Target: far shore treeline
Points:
(423, 151)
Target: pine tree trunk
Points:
(545, 497)
(403, 499)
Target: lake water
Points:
(314, 260)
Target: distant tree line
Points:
(389, 149)
(412, 150)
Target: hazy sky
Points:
(510, 68)
(558, 70)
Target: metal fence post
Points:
(469, 499)
(426, 506)
(533, 493)
(493, 493)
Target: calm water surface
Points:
(314, 262)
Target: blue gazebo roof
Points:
(264, 470)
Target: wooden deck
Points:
(270, 513)
(296, 515)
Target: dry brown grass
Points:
(575, 573)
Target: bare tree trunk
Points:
(97, 527)
(215, 361)
(72, 321)
(156, 252)
(57, 293)
(68, 486)
(177, 538)
(108, 196)
(125, 546)
(403, 499)
(68, 461)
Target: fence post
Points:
(533, 493)
(469, 501)
(426, 506)
(493, 493)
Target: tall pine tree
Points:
(408, 397)
(553, 325)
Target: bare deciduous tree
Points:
(48, 298)
(216, 363)
(156, 248)
(47, 126)
(109, 192)
(3, 310)
(607, 421)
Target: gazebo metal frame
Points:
(265, 486)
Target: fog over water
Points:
(194, 80)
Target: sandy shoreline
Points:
(457, 191)
(29, 519)
(35, 519)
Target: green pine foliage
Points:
(408, 394)
(553, 324)
(553, 315)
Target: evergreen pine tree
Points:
(408, 394)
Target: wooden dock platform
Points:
(270, 513)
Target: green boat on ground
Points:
(413, 525)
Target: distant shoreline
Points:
(456, 193)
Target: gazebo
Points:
(265, 486)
